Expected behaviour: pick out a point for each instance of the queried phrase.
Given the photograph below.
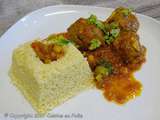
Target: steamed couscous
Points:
(47, 85)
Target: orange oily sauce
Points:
(122, 88)
(47, 53)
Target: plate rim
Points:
(69, 6)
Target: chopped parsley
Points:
(114, 25)
(99, 24)
(108, 40)
(127, 11)
(92, 19)
(95, 43)
(107, 65)
(62, 42)
(113, 32)
(58, 40)
(100, 72)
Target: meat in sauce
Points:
(124, 18)
(50, 49)
(116, 56)
(47, 53)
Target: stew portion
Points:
(113, 51)
(112, 48)
(50, 49)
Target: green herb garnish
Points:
(106, 37)
(107, 65)
(114, 25)
(101, 70)
(62, 42)
(109, 40)
(115, 32)
(100, 25)
(93, 20)
(127, 11)
(111, 30)
(95, 43)
(59, 40)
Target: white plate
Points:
(91, 104)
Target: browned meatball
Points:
(81, 32)
(127, 45)
(105, 53)
(124, 18)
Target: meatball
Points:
(127, 45)
(105, 53)
(124, 18)
(81, 32)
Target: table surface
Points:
(13, 10)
